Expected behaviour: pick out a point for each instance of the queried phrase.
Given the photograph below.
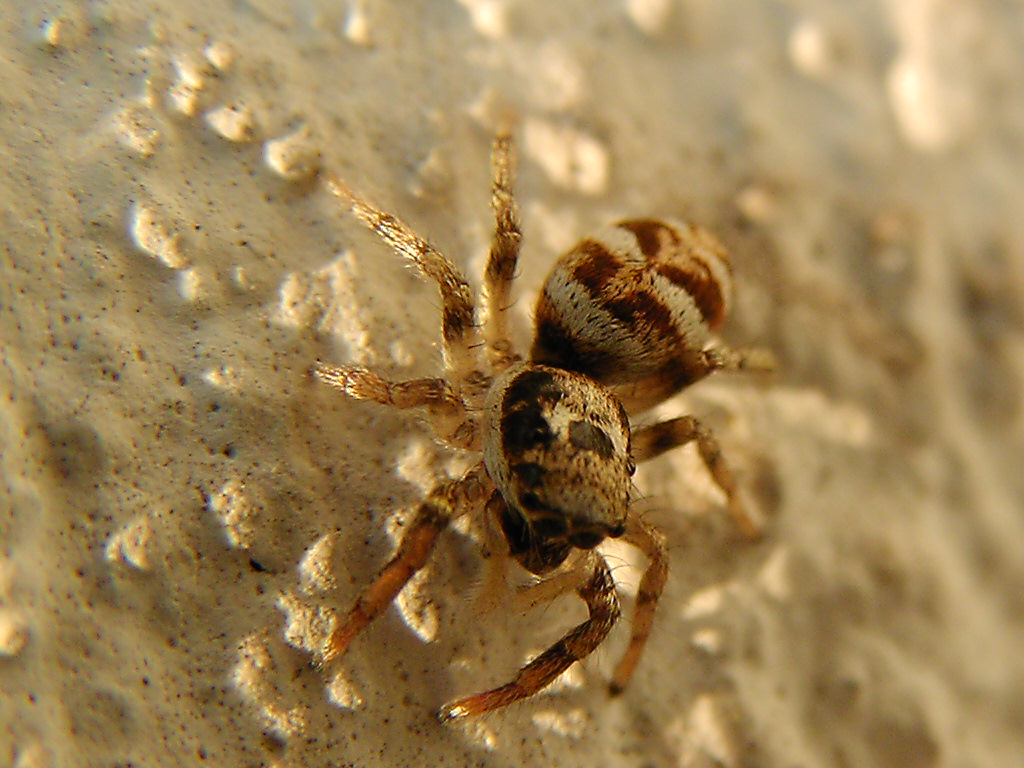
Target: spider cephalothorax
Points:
(625, 319)
(556, 445)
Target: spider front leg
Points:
(504, 255)
(656, 439)
(445, 503)
(652, 544)
(598, 592)
(458, 332)
(448, 413)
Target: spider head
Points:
(557, 448)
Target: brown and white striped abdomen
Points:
(635, 304)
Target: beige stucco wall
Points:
(185, 508)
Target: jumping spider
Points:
(624, 320)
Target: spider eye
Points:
(618, 530)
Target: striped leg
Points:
(598, 592)
(721, 358)
(457, 329)
(652, 544)
(656, 439)
(447, 411)
(501, 265)
(445, 503)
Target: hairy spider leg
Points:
(603, 605)
(446, 502)
(722, 358)
(656, 439)
(448, 413)
(504, 255)
(458, 332)
(652, 544)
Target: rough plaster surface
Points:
(185, 510)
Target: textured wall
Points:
(185, 508)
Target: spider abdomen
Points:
(635, 302)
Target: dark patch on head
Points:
(529, 473)
(696, 279)
(531, 387)
(587, 437)
(523, 426)
(524, 429)
(651, 235)
(596, 270)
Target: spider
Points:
(624, 319)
